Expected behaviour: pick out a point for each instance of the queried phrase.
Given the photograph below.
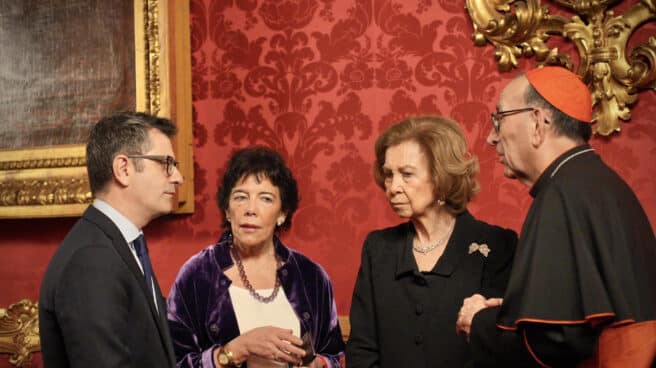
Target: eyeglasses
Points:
(499, 115)
(166, 160)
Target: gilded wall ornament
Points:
(19, 332)
(613, 73)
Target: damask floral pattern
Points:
(226, 85)
(394, 74)
(280, 15)
(317, 80)
(357, 76)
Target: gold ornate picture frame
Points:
(51, 181)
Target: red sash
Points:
(632, 345)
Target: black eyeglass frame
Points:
(168, 161)
(499, 115)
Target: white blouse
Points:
(252, 314)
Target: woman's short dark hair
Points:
(262, 162)
(453, 168)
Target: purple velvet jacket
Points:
(202, 318)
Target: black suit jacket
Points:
(401, 317)
(95, 309)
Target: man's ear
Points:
(540, 126)
(122, 170)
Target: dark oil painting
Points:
(63, 65)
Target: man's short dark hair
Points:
(262, 162)
(123, 132)
(563, 124)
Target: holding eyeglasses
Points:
(249, 299)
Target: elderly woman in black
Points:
(413, 277)
(249, 300)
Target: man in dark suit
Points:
(100, 304)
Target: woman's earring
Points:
(440, 202)
(228, 219)
(280, 222)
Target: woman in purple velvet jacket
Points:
(249, 300)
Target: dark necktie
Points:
(142, 252)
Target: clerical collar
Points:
(555, 166)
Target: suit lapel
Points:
(121, 246)
(163, 322)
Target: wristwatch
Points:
(226, 358)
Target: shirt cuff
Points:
(207, 358)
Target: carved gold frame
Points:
(614, 74)
(52, 181)
(19, 332)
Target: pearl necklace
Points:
(423, 249)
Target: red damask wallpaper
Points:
(318, 80)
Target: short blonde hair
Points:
(453, 168)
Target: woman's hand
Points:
(470, 307)
(269, 343)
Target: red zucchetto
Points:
(564, 90)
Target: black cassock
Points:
(586, 261)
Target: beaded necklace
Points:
(244, 280)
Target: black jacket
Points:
(95, 309)
(401, 317)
